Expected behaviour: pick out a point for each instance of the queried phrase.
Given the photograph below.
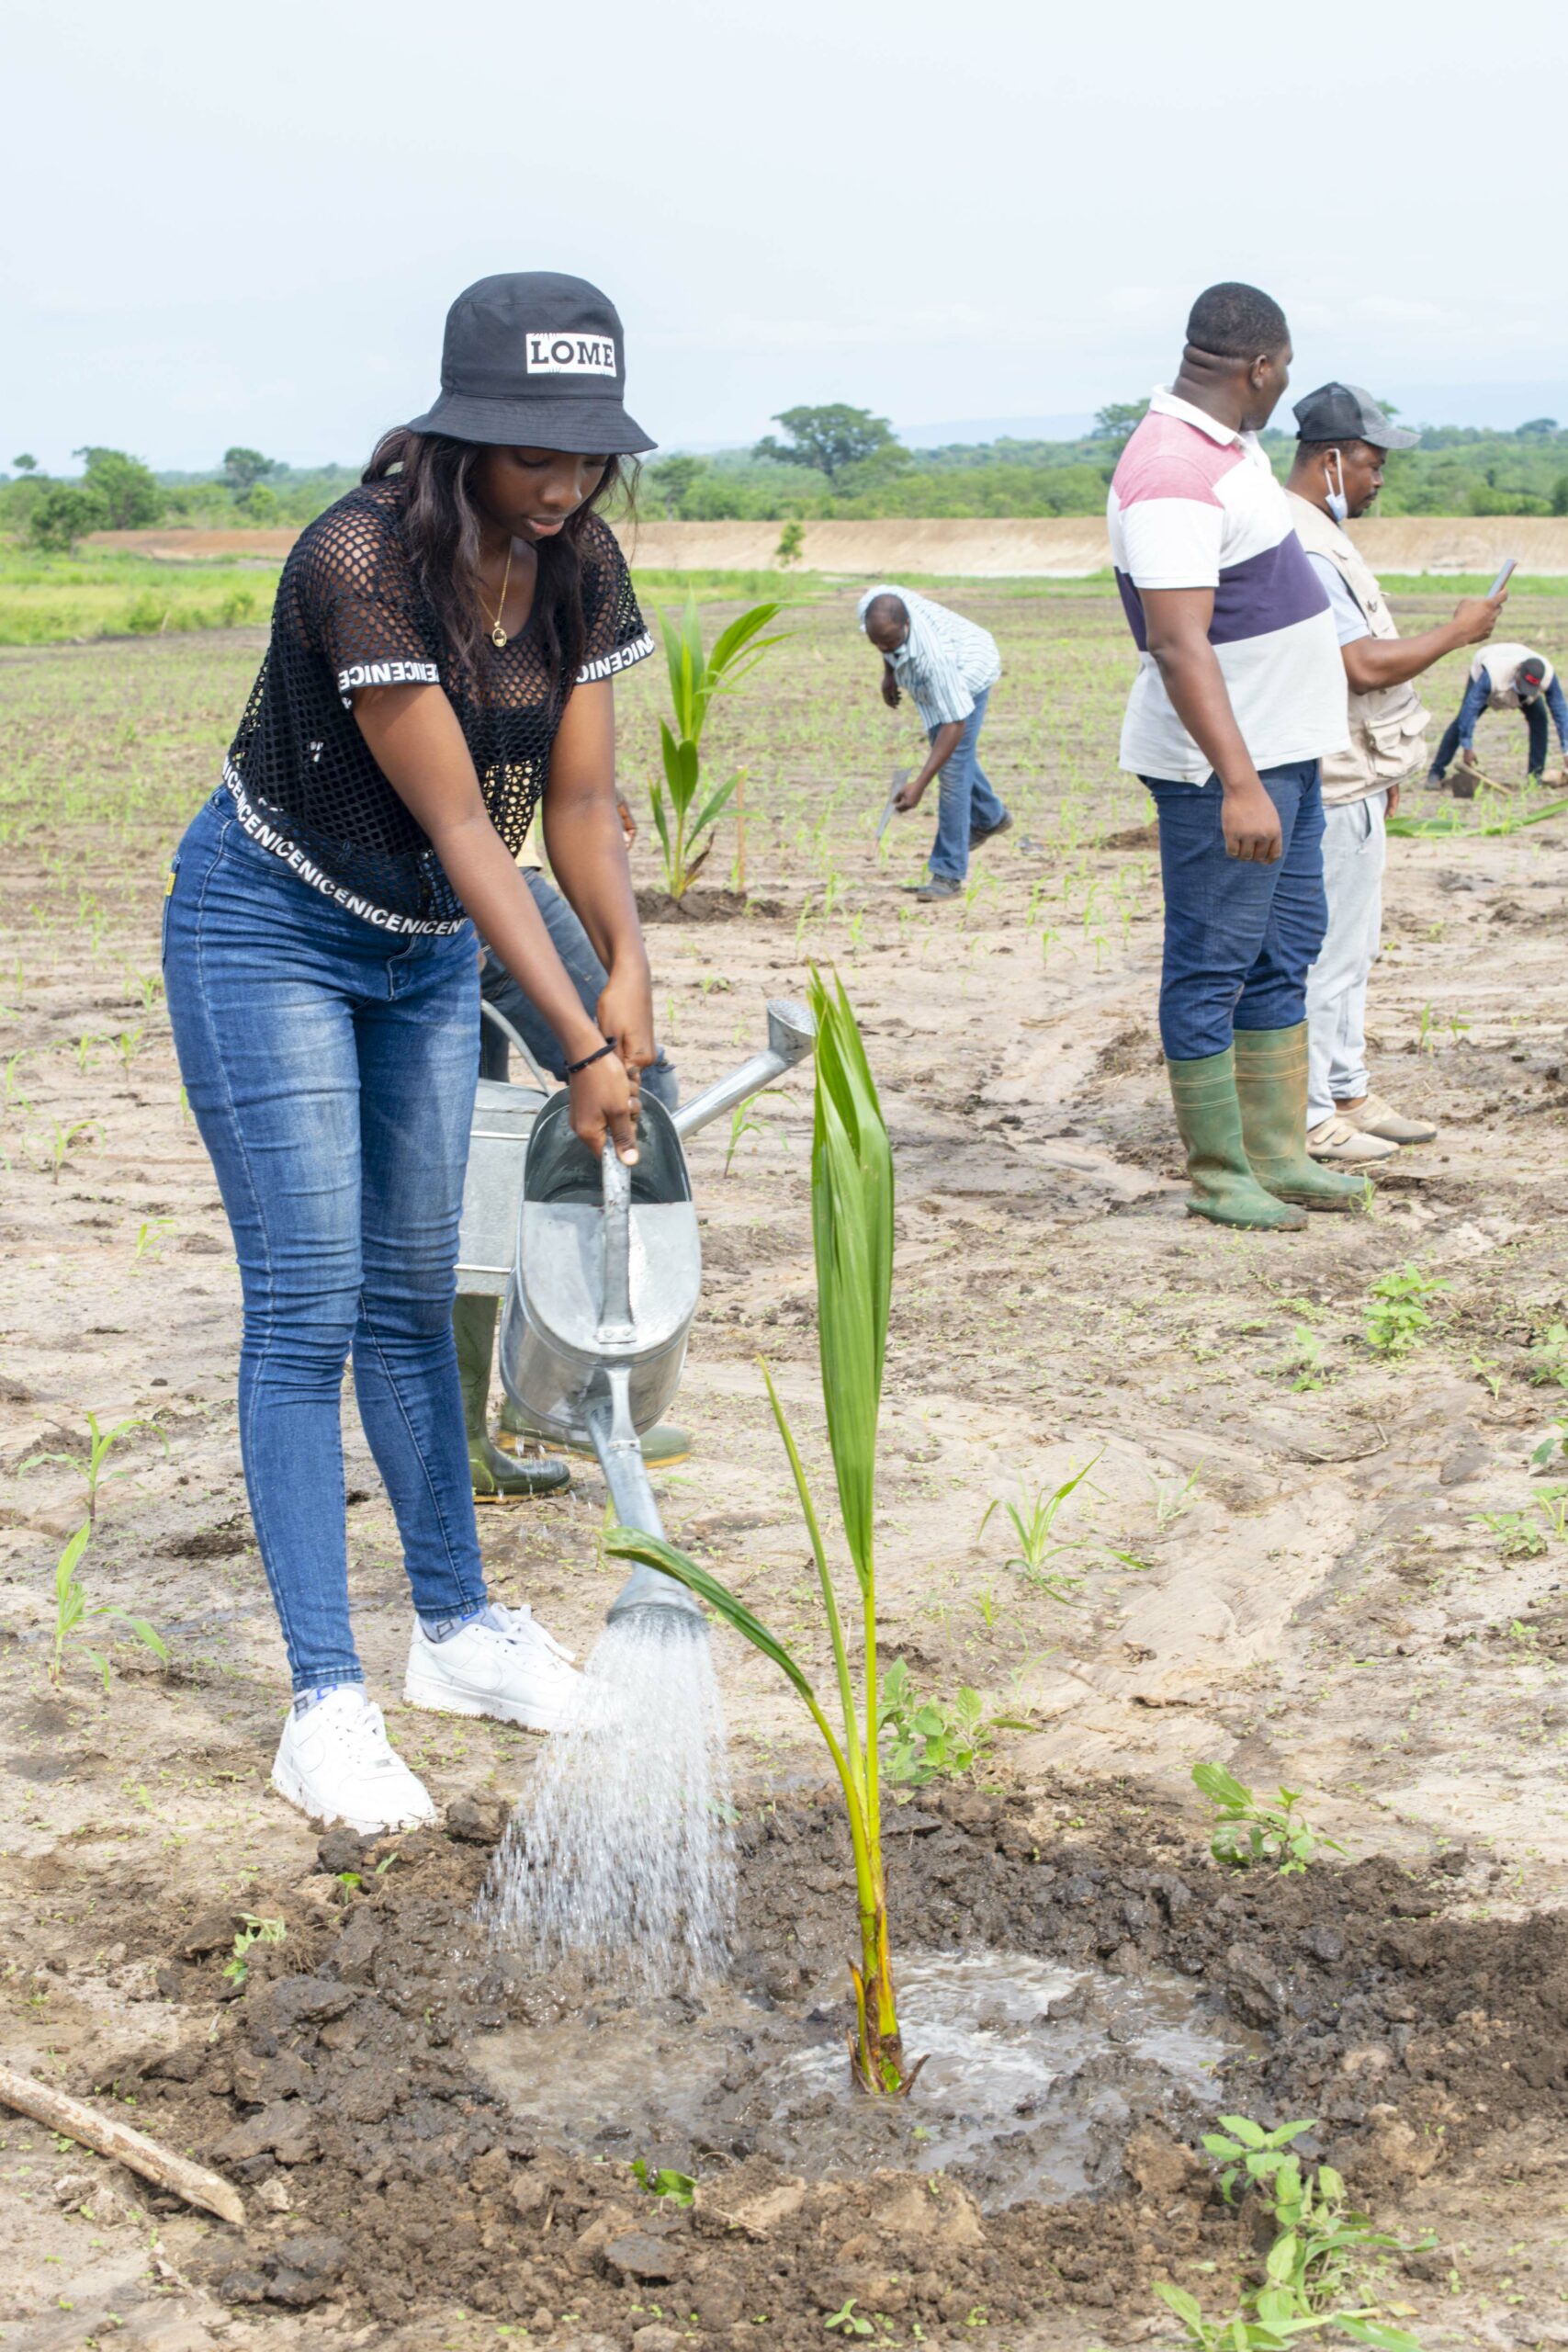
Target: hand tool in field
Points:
(900, 777)
(600, 1269)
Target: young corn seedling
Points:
(680, 816)
(73, 1610)
(100, 1445)
(149, 1235)
(1248, 1831)
(851, 1222)
(61, 1140)
(1038, 1548)
(1396, 1315)
(744, 1122)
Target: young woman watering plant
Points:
(443, 648)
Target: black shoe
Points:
(940, 886)
(989, 833)
(1434, 782)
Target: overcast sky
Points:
(231, 224)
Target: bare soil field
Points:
(1325, 1566)
(972, 547)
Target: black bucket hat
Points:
(538, 361)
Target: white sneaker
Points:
(503, 1664)
(1336, 1141)
(335, 1763)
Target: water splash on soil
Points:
(1036, 2070)
(622, 1850)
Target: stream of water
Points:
(622, 1849)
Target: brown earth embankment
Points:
(986, 547)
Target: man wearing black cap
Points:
(1510, 678)
(1344, 438)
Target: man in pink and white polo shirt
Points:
(1240, 691)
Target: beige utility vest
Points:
(1388, 726)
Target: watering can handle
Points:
(616, 1325)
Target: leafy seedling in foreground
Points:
(1520, 1535)
(73, 1610)
(1396, 1314)
(928, 1740)
(851, 1220)
(848, 2322)
(678, 2187)
(1549, 1357)
(1248, 1831)
(1554, 1448)
(254, 1930)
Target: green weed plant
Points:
(1249, 1831)
(1396, 1313)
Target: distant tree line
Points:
(845, 461)
(829, 460)
(115, 491)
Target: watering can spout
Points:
(617, 1443)
(792, 1033)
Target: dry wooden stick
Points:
(79, 2122)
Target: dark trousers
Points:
(1239, 938)
(1535, 720)
(587, 974)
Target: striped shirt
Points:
(945, 662)
(1194, 505)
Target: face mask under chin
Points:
(1336, 501)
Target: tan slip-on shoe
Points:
(1340, 1145)
(1376, 1117)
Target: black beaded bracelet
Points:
(572, 1068)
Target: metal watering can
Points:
(604, 1273)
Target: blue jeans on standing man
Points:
(968, 804)
(587, 975)
(331, 1069)
(1239, 938)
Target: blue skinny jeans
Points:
(331, 1069)
(966, 804)
(588, 976)
(1239, 938)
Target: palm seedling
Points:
(680, 815)
(852, 1221)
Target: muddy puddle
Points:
(1033, 2070)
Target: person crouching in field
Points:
(1344, 438)
(1506, 677)
(442, 653)
(1239, 693)
(948, 666)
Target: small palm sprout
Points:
(852, 1218)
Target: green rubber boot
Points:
(663, 1444)
(1208, 1118)
(1272, 1084)
(496, 1478)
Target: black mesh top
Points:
(350, 613)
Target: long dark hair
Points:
(443, 526)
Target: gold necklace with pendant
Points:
(498, 637)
